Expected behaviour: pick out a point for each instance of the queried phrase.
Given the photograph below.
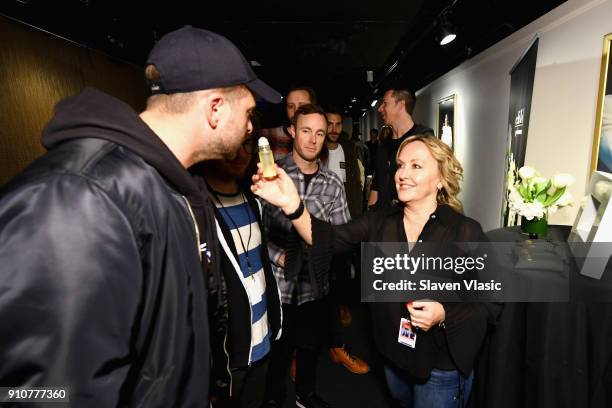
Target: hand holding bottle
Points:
(279, 191)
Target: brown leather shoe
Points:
(352, 363)
(344, 315)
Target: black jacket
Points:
(231, 326)
(386, 166)
(352, 186)
(466, 323)
(101, 286)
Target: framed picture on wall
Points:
(602, 142)
(446, 120)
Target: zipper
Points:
(195, 224)
(227, 366)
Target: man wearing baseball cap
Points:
(103, 239)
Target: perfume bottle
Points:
(266, 158)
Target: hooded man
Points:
(103, 239)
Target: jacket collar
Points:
(443, 214)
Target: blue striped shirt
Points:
(242, 223)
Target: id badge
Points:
(406, 336)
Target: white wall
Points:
(562, 112)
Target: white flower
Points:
(532, 210)
(562, 180)
(528, 196)
(514, 198)
(526, 172)
(540, 180)
(511, 175)
(510, 179)
(539, 183)
(527, 210)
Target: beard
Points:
(332, 139)
(307, 155)
(230, 155)
(232, 143)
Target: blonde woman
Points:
(438, 371)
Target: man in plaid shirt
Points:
(305, 310)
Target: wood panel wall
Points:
(37, 70)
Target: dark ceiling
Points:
(330, 45)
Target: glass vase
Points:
(535, 227)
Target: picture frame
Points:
(445, 120)
(601, 157)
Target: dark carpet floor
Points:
(343, 389)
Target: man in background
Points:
(303, 288)
(396, 111)
(279, 138)
(372, 145)
(342, 160)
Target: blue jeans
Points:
(443, 389)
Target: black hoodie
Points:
(101, 290)
(93, 114)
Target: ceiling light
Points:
(447, 37)
(448, 32)
(374, 102)
(370, 76)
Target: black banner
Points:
(521, 89)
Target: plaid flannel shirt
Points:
(325, 199)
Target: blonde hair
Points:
(181, 102)
(449, 167)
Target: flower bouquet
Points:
(533, 197)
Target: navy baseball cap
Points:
(192, 59)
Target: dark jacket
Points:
(372, 149)
(352, 186)
(466, 323)
(101, 286)
(231, 326)
(386, 166)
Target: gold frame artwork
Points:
(604, 78)
(440, 120)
